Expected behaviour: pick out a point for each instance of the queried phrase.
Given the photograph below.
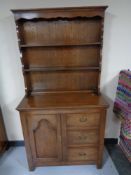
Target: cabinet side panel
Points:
(101, 138)
(23, 116)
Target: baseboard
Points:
(112, 141)
(14, 143)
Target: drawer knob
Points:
(82, 137)
(82, 154)
(83, 119)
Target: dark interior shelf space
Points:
(59, 69)
(60, 45)
(59, 18)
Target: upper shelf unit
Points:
(61, 48)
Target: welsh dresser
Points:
(62, 114)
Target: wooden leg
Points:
(100, 157)
(31, 165)
(31, 168)
(99, 165)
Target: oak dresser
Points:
(63, 113)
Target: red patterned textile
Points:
(122, 109)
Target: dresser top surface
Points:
(61, 101)
(60, 8)
(59, 12)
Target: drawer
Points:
(82, 137)
(78, 154)
(83, 119)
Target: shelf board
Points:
(58, 45)
(41, 91)
(41, 69)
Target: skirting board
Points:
(15, 143)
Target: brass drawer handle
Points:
(83, 119)
(82, 154)
(82, 137)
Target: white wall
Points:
(116, 56)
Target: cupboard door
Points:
(45, 137)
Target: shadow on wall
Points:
(108, 85)
(112, 122)
(11, 79)
(12, 121)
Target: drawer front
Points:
(82, 137)
(78, 154)
(83, 119)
